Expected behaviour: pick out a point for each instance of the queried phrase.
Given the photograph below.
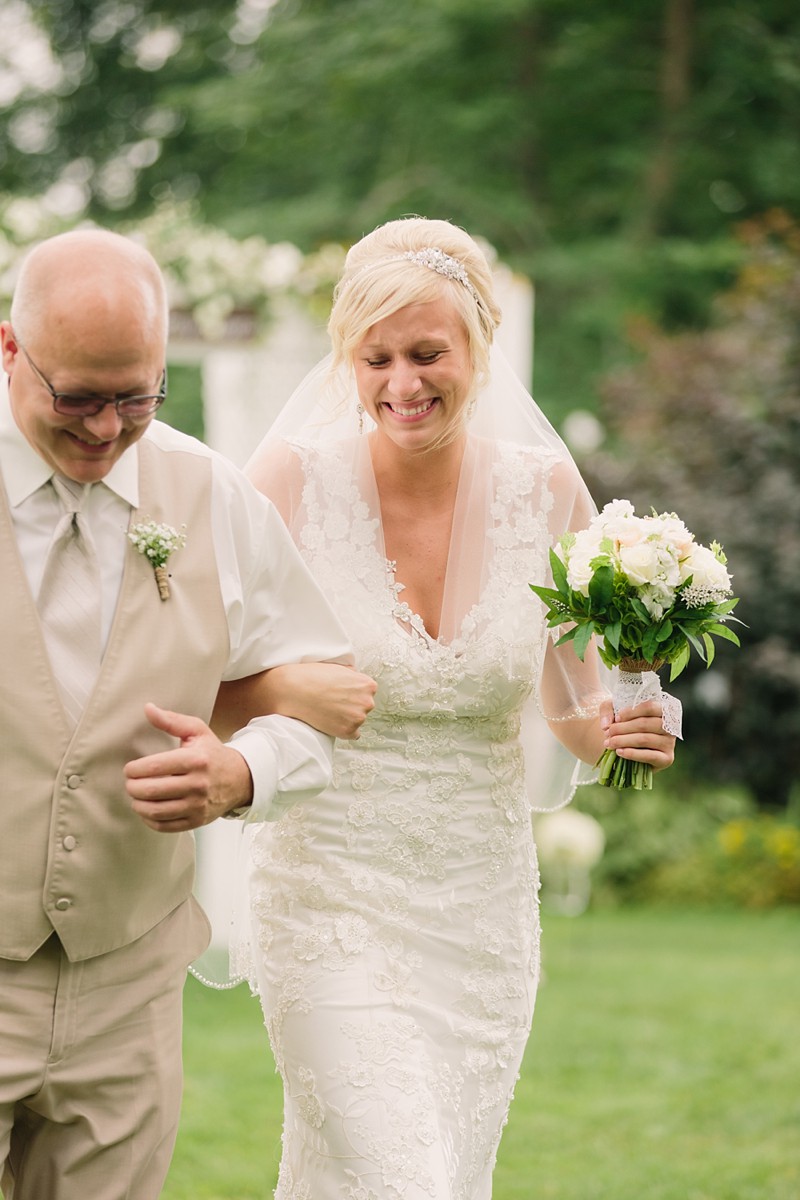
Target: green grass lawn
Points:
(664, 1064)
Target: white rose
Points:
(619, 523)
(641, 563)
(579, 557)
(672, 529)
(615, 510)
(707, 572)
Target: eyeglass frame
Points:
(158, 398)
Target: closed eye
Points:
(426, 357)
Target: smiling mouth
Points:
(416, 411)
(89, 445)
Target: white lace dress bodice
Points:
(396, 931)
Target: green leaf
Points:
(727, 606)
(612, 634)
(650, 643)
(697, 644)
(582, 638)
(559, 573)
(608, 654)
(554, 619)
(723, 632)
(679, 662)
(665, 631)
(601, 588)
(708, 641)
(640, 610)
(549, 595)
(568, 636)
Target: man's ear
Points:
(9, 346)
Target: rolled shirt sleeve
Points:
(277, 614)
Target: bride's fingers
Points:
(636, 733)
(643, 741)
(658, 757)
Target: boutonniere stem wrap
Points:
(157, 542)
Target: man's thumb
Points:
(179, 725)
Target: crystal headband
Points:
(443, 264)
(434, 259)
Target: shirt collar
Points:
(24, 471)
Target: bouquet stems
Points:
(619, 772)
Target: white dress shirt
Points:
(275, 611)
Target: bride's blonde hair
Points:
(414, 261)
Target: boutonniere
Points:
(156, 542)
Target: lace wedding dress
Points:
(395, 925)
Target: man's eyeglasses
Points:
(135, 408)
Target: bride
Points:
(395, 930)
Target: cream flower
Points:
(709, 574)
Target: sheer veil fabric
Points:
(507, 432)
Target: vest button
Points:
(74, 781)
(63, 903)
(69, 842)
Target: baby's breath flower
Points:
(156, 542)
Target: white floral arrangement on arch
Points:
(210, 274)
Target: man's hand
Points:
(191, 785)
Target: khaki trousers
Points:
(90, 1065)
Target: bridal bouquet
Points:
(651, 593)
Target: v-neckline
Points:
(414, 624)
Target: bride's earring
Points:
(360, 411)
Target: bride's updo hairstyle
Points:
(415, 261)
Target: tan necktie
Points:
(69, 601)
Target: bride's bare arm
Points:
(333, 698)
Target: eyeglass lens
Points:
(86, 406)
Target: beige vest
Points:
(73, 856)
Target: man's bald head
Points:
(88, 319)
(79, 283)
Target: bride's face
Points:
(413, 372)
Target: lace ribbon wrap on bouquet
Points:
(634, 686)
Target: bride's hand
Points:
(332, 698)
(637, 734)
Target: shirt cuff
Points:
(288, 761)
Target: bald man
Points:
(99, 923)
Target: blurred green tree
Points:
(603, 149)
(530, 121)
